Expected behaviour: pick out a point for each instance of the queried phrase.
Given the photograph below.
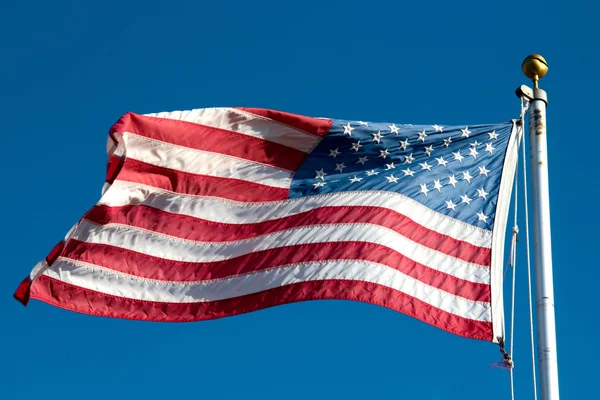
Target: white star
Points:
(467, 176)
(384, 153)
(362, 160)
(422, 136)
(473, 152)
(391, 179)
(441, 161)
(355, 179)
(482, 217)
(404, 144)
(356, 146)
(483, 171)
(339, 167)
(475, 143)
(377, 136)
(424, 189)
(458, 157)
(481, 193)
(489, 148)
(409, 159)
(408, 172)
(320, 174)
(447, 142)
(437, 185)
(438, 128)
(429, 150)
(425, 166)
(466, 199)
(452, 180)
(319, 184)
(372, 172)
(450, 204)
(333, 153)
(362, 123)
(465, 132)
(493, 135)
(390, 166)
(348, 129)
(393, 129)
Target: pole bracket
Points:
(531, 94)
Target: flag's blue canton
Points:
(454, 170)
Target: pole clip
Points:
(507, 360)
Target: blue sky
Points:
(71, 69)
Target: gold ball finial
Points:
(535, 67)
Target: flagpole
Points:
(535, 67)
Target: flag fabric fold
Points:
(221, 211)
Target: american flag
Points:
(220, 211)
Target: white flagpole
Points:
(535, 67)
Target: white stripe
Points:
(117, 149)
(177, 249)
(38, 270)
(118, 284)
(247, 124)
(227, 211)
(201, 162)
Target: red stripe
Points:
(87, 301)
(145, 266)
(191, 228)
(198, 185)
(55, 252)
(316, 126)
(201, 137)
(23, 292)
(113, 168)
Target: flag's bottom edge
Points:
(86, 301)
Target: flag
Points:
(221, 211)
